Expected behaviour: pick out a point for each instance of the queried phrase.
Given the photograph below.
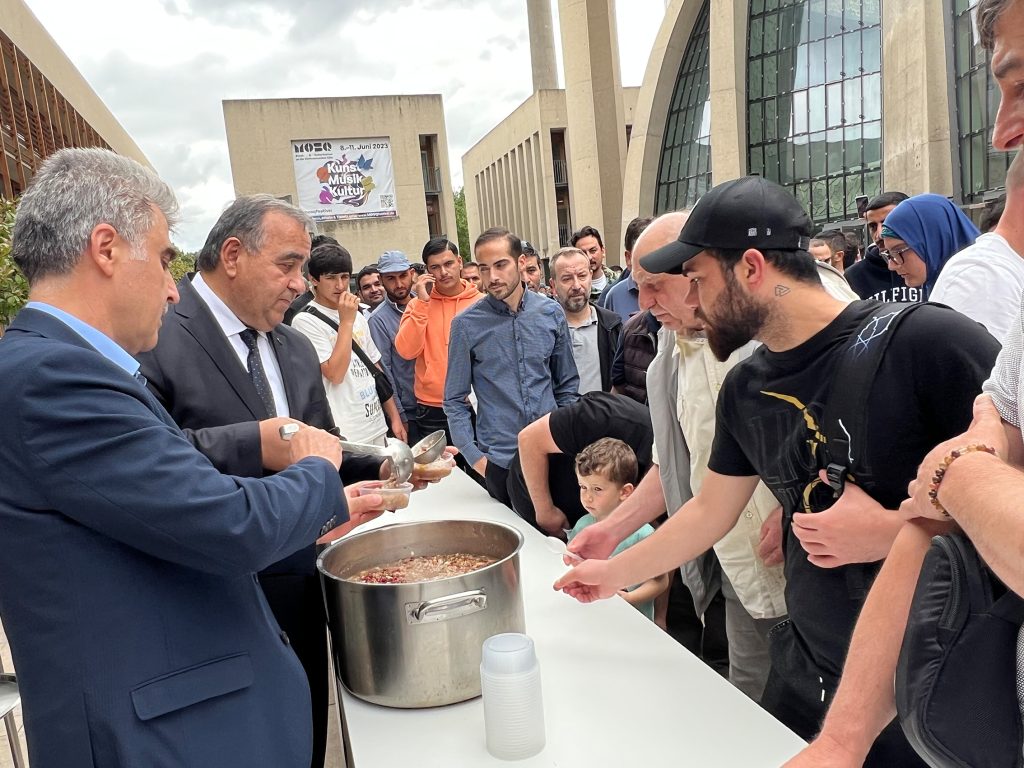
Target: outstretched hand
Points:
(588, 581)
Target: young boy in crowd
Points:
(607, 474)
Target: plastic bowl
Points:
(395, 497)
(435, 470)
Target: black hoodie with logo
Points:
(871, 278)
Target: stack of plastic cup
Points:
(513, 704)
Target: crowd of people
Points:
(777, 418)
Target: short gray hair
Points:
(561, 253)
(987, 16)
(75, 190)
(244, 219)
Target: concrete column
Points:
(916, 135)
(727, 38)
(596, 123)
(542, 45)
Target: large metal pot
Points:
(418, 645)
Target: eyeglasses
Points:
(895, 255)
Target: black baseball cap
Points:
(750, 212)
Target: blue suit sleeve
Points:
(113, 465)
(456, 389)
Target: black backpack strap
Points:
(846, 428)
(373, 369)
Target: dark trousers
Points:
(496, 481)
(298, 606)
(704, 639)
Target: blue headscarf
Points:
(934, 227)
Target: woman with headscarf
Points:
(921, 234)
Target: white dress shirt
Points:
(232, 328)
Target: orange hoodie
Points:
(423, 336)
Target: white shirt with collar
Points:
(232, 328)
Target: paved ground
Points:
(334, 753)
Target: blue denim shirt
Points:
(383, 322)
(520, 366)
(623, 298)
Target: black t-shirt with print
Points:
(770, 422)
(574, 427)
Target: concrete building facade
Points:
(262, 133)
(45, 103)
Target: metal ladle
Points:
(429, 448)
(397, 452)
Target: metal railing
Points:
(564, 235)
(432, 181)
(561, 173)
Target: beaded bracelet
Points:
(933, 487)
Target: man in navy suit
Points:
(127, 560)
(201, 372)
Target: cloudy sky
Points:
(163, 67)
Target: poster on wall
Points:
(342, 179)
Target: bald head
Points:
(662, 231)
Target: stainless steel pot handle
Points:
(444, 608)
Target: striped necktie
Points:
(257, 373)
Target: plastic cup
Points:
(512, 697)
(396, 497)
(435, 470)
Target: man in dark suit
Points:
(230, 374)
(126, 561)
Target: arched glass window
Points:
(814, 95)
(685, 172)
(982, 169)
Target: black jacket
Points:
(871, 278)
(609, 328)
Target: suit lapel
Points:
(282, 351)
(199, 322)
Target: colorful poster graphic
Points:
(341, 179)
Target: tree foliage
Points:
(182, 264)
(462, 223)
(13, 285)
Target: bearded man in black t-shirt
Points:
(744, 248)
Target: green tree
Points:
(462, 223)
(182, 264)
(13, 285)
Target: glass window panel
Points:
(816, 20)
(784, 105)
(771, 80)
(979, 100)
(802, 160)
(834, 140)
(756, 6)
(871, 12)
(803, 195)
(963, 102)
(771, 33)
(873, 183)
(997, 167)
(853, 147)
(789, 33)
(836, 197)
(816, 63)
(819, 200)
(834, 102)
(800, 68)
(785, 163)
(755, 79)
(756, 162)
(800, 112)
(963, 43)
(771, 162)
(834, 19)
(816, 108)
(851, 14)
(756, 37)
(817, 154)
(851, 53)
(872, 85)
(771, 5)
(854, 187)
(756, 123)
(872, 144)
(770, 133)
(851, 100)
(979, 145)
(833, 59)
(787, 70)
(871, 49)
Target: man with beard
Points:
(396, 277)
(370, 288)
(588, 240)
(744, 250)
(513, 349)
(594, 331)
(471, 274)
(531, 270)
